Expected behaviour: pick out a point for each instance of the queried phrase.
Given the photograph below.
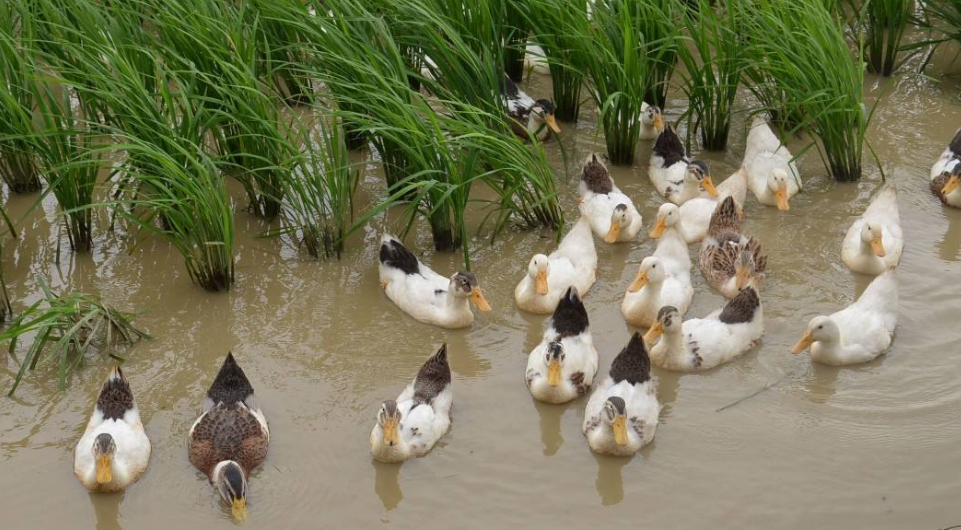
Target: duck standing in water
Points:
(412, 425)
(946, 174)
(230, 438)
(114, 449)
(612, 214)
(425, 295)
(527, 116)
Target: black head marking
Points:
(234, 477)
(555, 350)
(390, 408)
(620, 208)
(632, 364)
(570, 315)
(618, 404)
(103, 444)
(666, 311)
(545, 104)
(464, 281)
(701, 167)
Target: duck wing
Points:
(394, 254)
(633, 363)
(432, 378)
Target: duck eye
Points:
(821, 326)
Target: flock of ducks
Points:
(231, 436)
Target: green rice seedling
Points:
(561, 28)
(65, 329)
(882, 26)
(515, 34)
(713, 64)
(802, 46)
(318, 208)
(18, 165)
(943, 16)
(282, 50)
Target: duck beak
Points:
(613, 233)
(554, 373)
(659, 123)
(540, 283)
(741, 278)
(657, 329)
(638, 282)
(552, 123)
(477, 297)
(803, 344)
(952, 185)
(782, 200)
(390, 433)
(620, 430)
(104, 469)
(878, 246)
(708, 184)
(239, 508)
(659, 228)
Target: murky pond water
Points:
(875, 446)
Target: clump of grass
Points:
(65, 329)
(713, 65)
(516, 31)
(883, 23)
(18, 165)
(560, 28)
(802, 46)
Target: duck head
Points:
(542, 115)
(231, 484)
(699, 173)
(871, 234)
(104, 451)
(652, 116)
(464, 285)
(745, 269)
(777, 184)
(954, 178)
(388, 417)
(615, 416)
(820, 329)
(555, 361)
(538, 270)
(650, 271)
(667, 215)
(668, 321)
(620, 219)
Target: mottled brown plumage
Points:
(432, 378)
(632, 364)
(741, 309)
(726, 218)
(596, 177)
(937, 184)
(115, 397)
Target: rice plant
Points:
(883, 24)
(18, 165)
(943, 16)
(65, 328)
(802, 46)
(713, 63)
(515, 31)
(560, 27)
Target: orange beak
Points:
(877, 246)
(659, 228)
(613, 233)
(477, 297)
(654, 333)
(554, 373)
(782, 200)
(952, 185)
(540, 283)
(708, 184)
(803, 344)
(104, 471)
(639, 282)
(741, 277)
(552, 123)
(620, 430)
(659, 123)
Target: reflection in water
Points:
(951, 243)
(610, 483)
(550, 426)
(387, 484)
(106, 507)
(822, 385)
(668, 384)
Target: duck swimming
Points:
(527, 116)
(574, 263)
(425, 295)
(693, 218)
(772, 174)
(674, 174)
(728, 259)
(874, 242)
(652, 121)
(412, 425)
(946, 174)
(612, 214)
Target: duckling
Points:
(425, 295)
(527, 116)
(562, 367)
(874, 242)
(703, 343)
(412, 425)
(692, 218)
(612, 214)
(652, 289)
(674, 174)
(231, 437)
(946, 174)
(728, 259)
(114, 450)
(772, 174)
(858, 333)
(626, 397)
(652, 121)
(574, 263)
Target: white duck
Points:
(413, 424)
(772, 174)
(671, 247)
(574, 263)
(536, 60)
(703, 343)
(612, 214)
(652, 289)
(858, 333)
(674, 174)
(874, 242)
(528, 116)
(652, 121)
(692, 218)
(425, 295)
(114, 449)
(562, 367)
(946, 174)
(622, 414)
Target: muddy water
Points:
(873, 446)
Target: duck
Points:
(946, 174)
(674, 174)
(528, 117)
(652, 121)
(574, 263)
(772, 174)
(612, 214)
(703, 343)
(114, 450)
(875, 241)
(231, 437)
(425, 295)
(420, 416)
(562, 367)
(535, 60)
(858, 333)
(692, 218)
(622, 412)
(728, 259)
(653, 288)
